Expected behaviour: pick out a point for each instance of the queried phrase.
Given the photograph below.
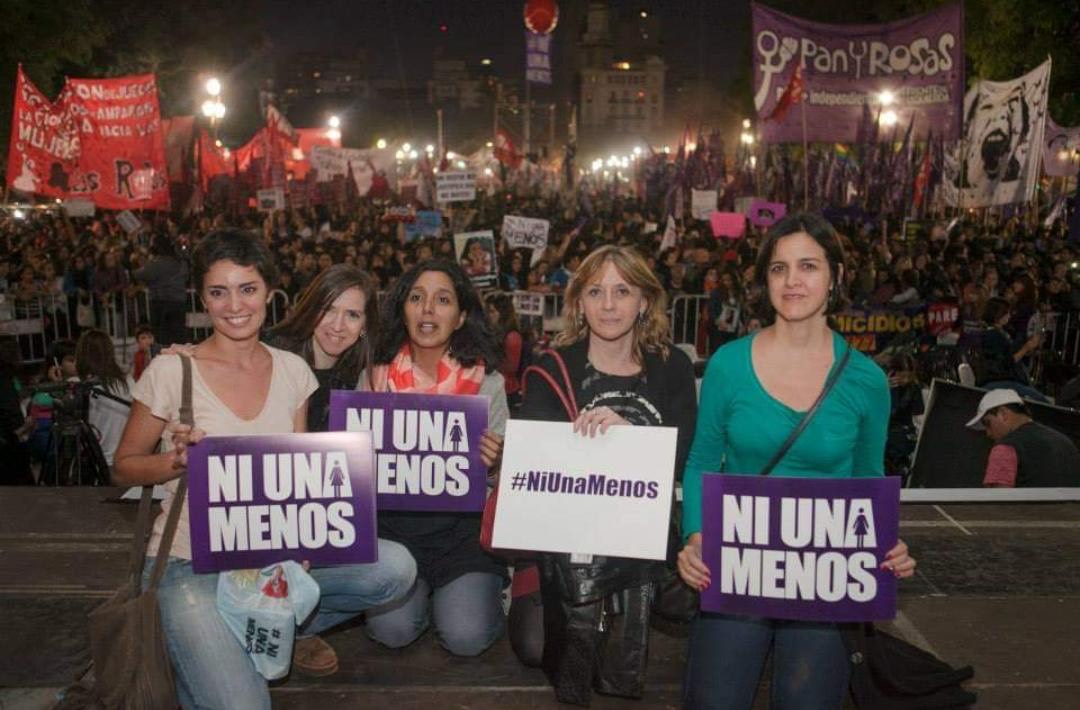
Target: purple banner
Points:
(427, 447)
(766, 214)
(919, 60)
(257, 500)
(537, 57)
(800, 548)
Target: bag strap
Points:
(187, 416)
(566, 396)
(805, 421)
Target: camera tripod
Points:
(75, 456)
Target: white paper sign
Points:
(366, 163)
(525, 232)
(702, 203)
(128, 221)
(563, 492)
(271, 199)
(527, 303)
(78, 208)
(455, 186)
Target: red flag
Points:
(212, 161)
(505, 152)
(277, 123)
(922, 178)
(793, 94)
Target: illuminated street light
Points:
(889, 118)
(334, 122)
(400, 155)
(485, 62)
(18, 214)
(886, 98)
(213, 109)
(489, 144)
(380, 144)
(488, 172)
(413, 155)
(746, 123)
(213, 87)
(406, 147)
(746, 138)
(429, 149)
(334, 135)
(637, 150)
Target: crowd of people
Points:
(374, 311)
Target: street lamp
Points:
(380, 144)
(886, 98)
(213, 109)
(213, 87)
(889, 118)
(406, 147)
(334, 132)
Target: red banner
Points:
(122, 140)
(101, 140)
(44, 144)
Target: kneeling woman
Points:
(239, 387)
(435, 339)
(623, 371)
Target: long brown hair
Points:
(651, 330)
(296, 332)
(95, 358)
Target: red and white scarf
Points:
(402, 376)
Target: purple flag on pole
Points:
(919, 59)
(537, 57)
(800, 548)
(257, 500)
(427, 447)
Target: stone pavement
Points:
(998, 587)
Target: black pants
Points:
(167, 320)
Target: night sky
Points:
(700, 36)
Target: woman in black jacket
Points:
(624, 371)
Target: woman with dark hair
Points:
(330, 328)
(625, 372)
(239, 387)
(998, 358)
(435, 339)
(95, 361)
(166, 279)
(504, 320)
(755, 392)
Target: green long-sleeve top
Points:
(740, 426)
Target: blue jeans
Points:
(467, 612)
(211, 667)
(810, 664)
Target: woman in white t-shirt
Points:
(239, 386)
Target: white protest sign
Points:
(527, 303)
(328, 162)
(702, 203)
(271, 199)
(563, 492)
(129, 221)
(525, 232)
(455, 186)
(78, 208)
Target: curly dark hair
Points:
(473, 342)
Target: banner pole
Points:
(805, 157)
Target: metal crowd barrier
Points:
(689, 317)
(35, 323)
(1064, 336)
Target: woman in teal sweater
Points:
(754, 394)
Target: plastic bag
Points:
(263, 607)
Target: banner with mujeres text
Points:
(806, 549)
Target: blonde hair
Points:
(650, 331)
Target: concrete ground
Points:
(998, 587)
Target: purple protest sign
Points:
(537, 57)
(800, 548)
(257, 500)
(920, 60)
(1060, 146)
(427, 447)
(765, 214)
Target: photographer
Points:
(96, 364)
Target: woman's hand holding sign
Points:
(692, 568)
(899, 561)
(183, 436)
(600, 418)
(491, 445)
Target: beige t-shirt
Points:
(291, 383)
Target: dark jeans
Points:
(727, 653)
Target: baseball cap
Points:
(991, 400)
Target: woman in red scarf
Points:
(435, 339)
